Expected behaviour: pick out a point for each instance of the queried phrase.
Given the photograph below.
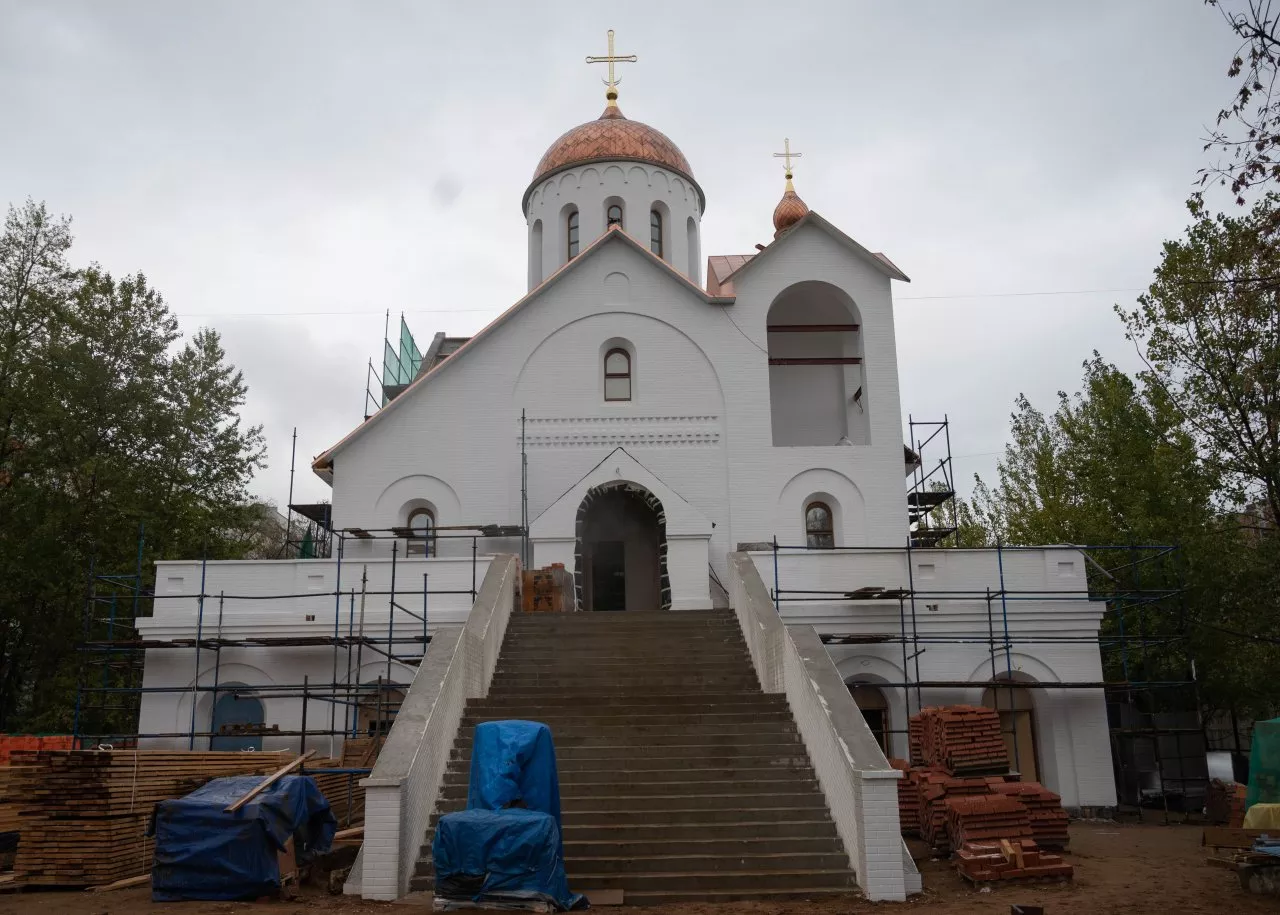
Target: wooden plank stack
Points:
(983, 817)
(964, 738)
(1044, 807)
(1010, 859)
(84, 812)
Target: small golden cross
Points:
(610, 59)
(788, 155)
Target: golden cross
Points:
(610, 59)
(788, 155)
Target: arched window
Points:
(617, 375)
(613, 216)
(819, 527)
(422, 527)
(573, 235)
(875, 709)
(1017, 724)
(655, 232)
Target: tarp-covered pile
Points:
(506, 846)
(203, 852)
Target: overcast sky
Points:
(287, 171)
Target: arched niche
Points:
(817, 390)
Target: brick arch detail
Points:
(654, 504)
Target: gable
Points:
(616, 240)
(878, 261)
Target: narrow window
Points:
(655, 232)
(422, 541)
(875, 710)
(613, 216)
(617, 375)
(573, 235)
(818, 529)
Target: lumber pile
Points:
(1010, 859)
(1044, 808)
(985, 817)
(963, 738)
(84, 813)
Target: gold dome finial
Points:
(612, 82)
(790, 209)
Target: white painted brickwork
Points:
(859, 784)
(401, 792)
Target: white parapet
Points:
(402, 791)
(859, 784)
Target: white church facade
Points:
(653, 413)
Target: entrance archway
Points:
(232, 715)
(1017, 711)
(620, 555)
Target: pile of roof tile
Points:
(1048, 819)
(985, 817)
(965, 739)
(1010, 859)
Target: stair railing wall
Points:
(402, 790)
(859, 784)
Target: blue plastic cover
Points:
(202, 852)
(507, 844)
(501, 855)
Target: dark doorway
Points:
(231, 717)
(621, 553)
(609, 575)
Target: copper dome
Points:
(790, 210)
(613, 136)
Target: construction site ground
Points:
(1120, 868)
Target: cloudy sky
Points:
(288, 171)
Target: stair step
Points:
(678, 810)
(805, 894)
(568, 718)
(575, 778)
(624, 737)
(566, 734)
(706, 758)
(749, 884)
(635, 705)
(721, 789)
(643, 864)
(560, 696)
(767, 827)
(725, 848)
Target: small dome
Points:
(790, 209)
(613, 136)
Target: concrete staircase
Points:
(680, 780)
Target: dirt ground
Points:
(1120, 868)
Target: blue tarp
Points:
(202, 852)
(507, 843)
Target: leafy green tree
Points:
(112, 423)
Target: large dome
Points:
(612, 136)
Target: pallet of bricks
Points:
(957, 795)
(83, 814)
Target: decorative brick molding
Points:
(614, 431)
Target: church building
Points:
(655, 419)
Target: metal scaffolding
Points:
(113, 654)
(1153, 709)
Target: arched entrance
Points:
(620, 557)
(875, 710)
(233, 714)
(1017, 723)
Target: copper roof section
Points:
(719, 268)
(613, 136)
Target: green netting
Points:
(1264, 764)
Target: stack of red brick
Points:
(957, 792)
(1011, 859)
